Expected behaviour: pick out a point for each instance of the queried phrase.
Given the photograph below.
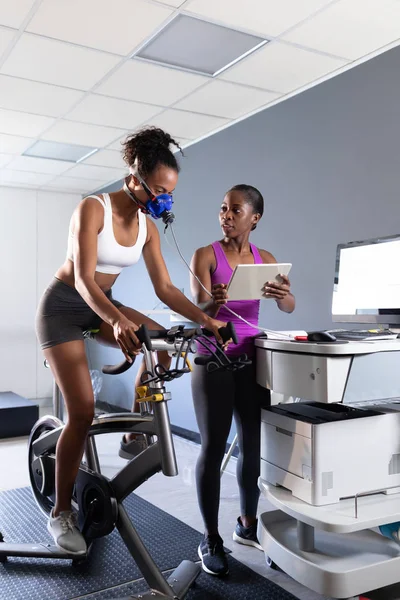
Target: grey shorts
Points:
(63, 315)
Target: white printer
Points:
(325, 452)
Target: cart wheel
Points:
(271, 564)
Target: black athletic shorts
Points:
(63, 315)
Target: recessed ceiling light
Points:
(193, 44)
(58, 151)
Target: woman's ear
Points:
(255, 218)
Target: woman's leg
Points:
(213, 404)
(249, 399)
(69, 366)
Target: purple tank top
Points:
(248, 309)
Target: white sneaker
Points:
(65, 532)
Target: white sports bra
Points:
(111, 256)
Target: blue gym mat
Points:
(169, 541)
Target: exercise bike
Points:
(98, 499)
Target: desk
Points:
(328, 548)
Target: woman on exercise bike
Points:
(219, 396)
(107, 233)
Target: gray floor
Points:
(176, 496)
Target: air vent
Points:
(58, 151)
(199, 46)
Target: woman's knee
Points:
(82, 415)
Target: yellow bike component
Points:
(152, 398)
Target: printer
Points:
(323, 452)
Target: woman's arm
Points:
(163, 285)
(88, 221)
(278, 291)
(200, 265)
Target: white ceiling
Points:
(66, 73)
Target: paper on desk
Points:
(284, 335)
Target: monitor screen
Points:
(367, 282)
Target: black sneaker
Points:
(246, 535)
(213, 557)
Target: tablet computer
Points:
(247, 281)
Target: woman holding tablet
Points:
(219, 396)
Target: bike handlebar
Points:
(145, 336)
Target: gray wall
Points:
(327, 163)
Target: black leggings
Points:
(218, 396)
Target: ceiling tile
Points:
(145, 82)
(34, 179)
(106, 158)
(103, 110)
(25, 124)
(77, 185)
(282, 68)
(39, 165)
(5, 159)
(351, 28)
(117, 145)
(40, 59)
(224, 99)
(190, 125)
(13, 12)
(93, 172)
(267, 17)
(6, 36)
(174, 3)
(12, 144)
(34, 97)
(119, 26)
(70, 132)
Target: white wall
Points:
(33, 239)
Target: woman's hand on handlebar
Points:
(124, 333)
(214, 326)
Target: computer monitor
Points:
(367, 282)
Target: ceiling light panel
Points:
(351, 28)
(40, 59)
(25, 124)
(39, 165)
(6, 37)
(34, 97)
(119, 26)
(75, 185)
(98, 173)
(13, 13)
(198, 45)
(106, 158)
(185, 124)
(223, 99)
(7, 176)
(266, 17)
(103, 110)
(70, 153)
(144, 82)
(70, 132)
(282, 68)
(12, 144)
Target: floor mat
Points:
(241, 584)
(168, 540)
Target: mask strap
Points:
(132, 196)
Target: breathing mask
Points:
(159, 207)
